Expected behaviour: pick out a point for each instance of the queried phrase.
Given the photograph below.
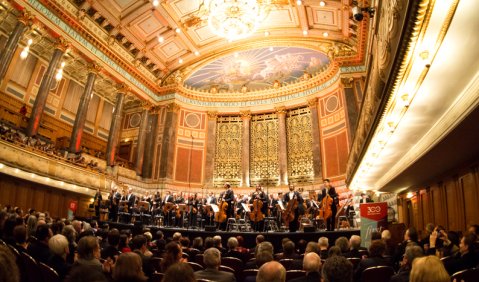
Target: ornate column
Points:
(140, 146)
(210, 149)
(45, 86)
(75, 141)
(12, 43)
(169, 141)
(150, 144)
(283, 146)
(313, 106)
(115, 126)
(245, 143)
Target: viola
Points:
(256, 215)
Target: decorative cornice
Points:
(26, 18)
(123, 88)
(62, 44)
(173, 107)
(93, 67)
(281, 110)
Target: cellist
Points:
(330, 222)
(294, 224)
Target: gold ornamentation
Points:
(62, 44)
(26, 18)
(212, 114)
(173, 107)
(245, 114)
(227, 165)
(313, 102)
(146, 105)
(94, 67)
(300, 146)
(122, 88)
(264, 166)
(280, 110)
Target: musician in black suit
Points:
(229, 198)
(179, 215)
(114, 199)
(330, 222)
(167, 216)
(131, 198)
(294, 224)
(97, 202)
(211, 199)
(365, 199)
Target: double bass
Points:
(220, 216)
(325, 211)
(288, 214)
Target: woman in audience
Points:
(128, 267)
(179, 272)
(172, 255)
(8, 268)
(428, 269)
(31, 226)
(123, 246)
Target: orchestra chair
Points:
(231, 224)
(468, 275)
(355, 262)
(156, 277)
(270, 224)
(195, 266)
(287, 263)
(293, 274)
(48, 273)
(377, 274)
(29, 268)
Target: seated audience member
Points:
(85, 273)
(197, 244)
(179, 272)
(390, 247)
(111, 250)
(124, 243)
(59, 248)
(177, 237)
(376, 252)
(312, 266)
(232, 252)
(409, 237)
(271, 271)
(289, 251)
(263, 254)
(343, 244)
(334, 251)
(241, 247)
(212, 261)
(428, 269)
(8, 267)
(209, 243)
(70, 233)
(171, 256)
(412, 252)
(31, 226)
(218, 244)
(355, 247)
(466, 258)
(424, 242)
(160, 241)
(128, 268)
(474, 229)
(20, 236)
(38, 248)
(139, 247)
(450, 243)
(87, 267)
(323, 244)
(337, 269)
(312, 247)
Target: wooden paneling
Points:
(450, 202)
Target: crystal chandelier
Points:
(235, 19)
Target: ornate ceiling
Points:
(149, 46)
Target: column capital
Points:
(122, 88)
(173, 107)
(94, 67)
(280, 111)
(313, 102)
(245, 114)
(145, 105)
(62, 44)
(154, 110)
(212, 114)
(26, 18)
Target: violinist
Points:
(291, 195)
(330, 222)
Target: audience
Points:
(312, 266)
(128, 268)
(38, 248)
(139, 247)
(59, 248)
(323, 244)
(375, 258)
(179, 272)
(337, 269)
(8, 267)
(271, 271)
(172, 255)
(428, 269)
(412, 252)
(212, 261)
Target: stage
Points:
(274, 237)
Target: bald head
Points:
(271, 271)
(311, 262)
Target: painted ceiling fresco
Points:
(258, 69)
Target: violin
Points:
(256, 215)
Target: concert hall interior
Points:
(282, 118)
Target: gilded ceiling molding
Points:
(26, 18)
(212, 114)
(123, 88)
(385, 69)
(145, 105)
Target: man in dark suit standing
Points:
(167, 199)
(212, 261)
(294, 224)
(229, 198)
(365, 199)
(330, 222)
(131, 198)
(97, 203)
(114, 198)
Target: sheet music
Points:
(245, 207)
(315, 204)
(281, 205)
(215, 208)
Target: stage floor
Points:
(274, 237)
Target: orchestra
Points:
(289, 210)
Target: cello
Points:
(220, 216)
(256, 215)
(288, 214)
(325, 212)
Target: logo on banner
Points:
(374, 210)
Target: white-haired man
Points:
(212, 261)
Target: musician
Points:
(365, 199)
(114, 199)
(179, 214)
(261, 196)
(330, 222)
(131, 199)
(97, 203)
(211, 199)
(229, 197)
(167, 215)
(193, 204)
(294, 224)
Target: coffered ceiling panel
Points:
(183, 8)
(202, 34)
(286, 17)
(148, 26)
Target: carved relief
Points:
(300, 143)
(227, 164)
(388, 31)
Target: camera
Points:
(358, 12)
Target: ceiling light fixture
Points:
(235, 19)
(305, 32)
(299, 2)
(156, 3)
(161, 39)
(322, 3)
(26, 50)
(178, 30)
(197, 53)
(325, 34)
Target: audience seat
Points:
(293, 274)
(48, 273)
(227, 269)
(203, 280)
(156, 263)
(377, 274)
(232, 262)
(355, 262)
(287, 263)
(199, 259)
(156, 277)
(195, 266)
(249, 273)
(29, 269)
(468, 275)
